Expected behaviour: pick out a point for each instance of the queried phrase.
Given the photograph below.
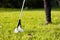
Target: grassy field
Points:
(32, 21)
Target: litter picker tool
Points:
(19, 26)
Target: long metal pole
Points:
(22, 9)
(20, 16)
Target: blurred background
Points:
(28, 3)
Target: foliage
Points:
(18, 3)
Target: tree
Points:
(58, 2)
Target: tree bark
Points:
(58, 2)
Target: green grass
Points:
(32, 21)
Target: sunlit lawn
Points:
(32, 21)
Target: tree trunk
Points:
(58, 2)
